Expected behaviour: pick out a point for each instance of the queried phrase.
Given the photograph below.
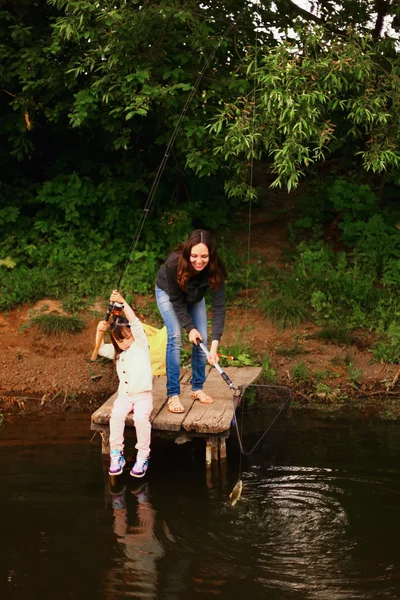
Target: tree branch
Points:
(306, 15)
(382, 7)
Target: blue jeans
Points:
(174, 343)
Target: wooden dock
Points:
(210, 421)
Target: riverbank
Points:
(42, 373)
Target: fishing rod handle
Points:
(101, 336)
(97, 347)
(218, 367)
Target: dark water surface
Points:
(319, 516)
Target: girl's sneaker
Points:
(139, 468)
(117, 462)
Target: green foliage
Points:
(243, 272)
(336, 335)
(238, 354)
(355, 375)
(269, 373)
(290, 351)
(314, 94)
(300, 372)
(91, 95)
(283, 311)
(56, 324)
(387, 348)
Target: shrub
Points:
(284, 311)
(300, 372)
(56, 324)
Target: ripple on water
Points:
(293, 530)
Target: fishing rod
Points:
(235, 390)
(162, 165)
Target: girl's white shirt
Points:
(133, 365)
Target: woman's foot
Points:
(201, 396)
(174, 405)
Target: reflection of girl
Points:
(181, 284)
(130, 349)
(141, 547)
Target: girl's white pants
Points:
(141, 405)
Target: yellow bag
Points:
(158, 347)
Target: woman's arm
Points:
(218, 321)
(178, 299)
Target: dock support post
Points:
(215, 449)
(222, 449)
(208, 451)
(105, 441)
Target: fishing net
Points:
(259, 408)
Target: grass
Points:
(336, 335)
(300, 372)
(284, 311)
(56, 324)
(290, 352)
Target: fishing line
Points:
(281, 411)
(253, 130)
(171, 142)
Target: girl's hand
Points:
(103, 326)
(116, 297)
(194, 335)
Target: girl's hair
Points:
(118, 331)
(216, 268)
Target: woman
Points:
(181, 284)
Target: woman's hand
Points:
(103, 326)
(194, 335)
(213, 355)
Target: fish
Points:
(236, 493)
(182, 439)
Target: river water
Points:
(318, 517)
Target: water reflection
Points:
(136, 567)
(318, 518)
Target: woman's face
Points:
(199, 257)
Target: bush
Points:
(284, 311)
(56, 324)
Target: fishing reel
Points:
(114, 309)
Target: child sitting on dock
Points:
(130, 350)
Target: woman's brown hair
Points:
(118, 332)
(216, 268)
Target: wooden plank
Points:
(165, 420)
(168, 421)
(245, 376)
(102, 414)
(217, 417)
(159, 395)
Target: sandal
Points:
(174, 405)
(201, 396)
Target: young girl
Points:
(182, 282)
(130, 350)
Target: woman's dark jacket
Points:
(197, 287)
